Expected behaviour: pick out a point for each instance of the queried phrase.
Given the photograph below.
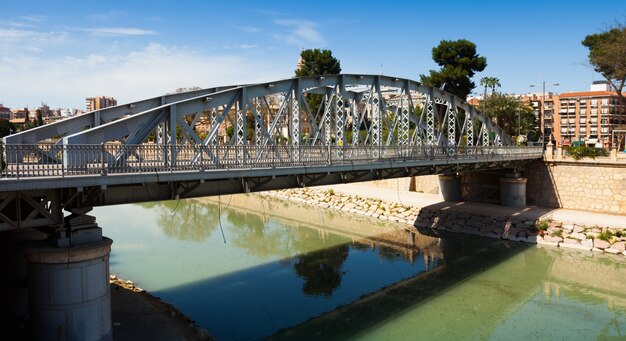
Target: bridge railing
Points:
(47, 160)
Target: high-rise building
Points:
(99, 102)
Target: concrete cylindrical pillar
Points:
(69, 291)
(513, 192)
(450, 187)
(14, 270)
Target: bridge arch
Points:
(364, 110)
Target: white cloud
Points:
(120, 31)
(248, 29)
(241, 46)
(148, 72)
(34, 18)
(303, 32)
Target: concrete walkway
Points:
(407, 198)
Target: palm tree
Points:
(490, 82)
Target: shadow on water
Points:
(464, 258)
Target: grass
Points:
(558, 233)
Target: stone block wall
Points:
(589, 186)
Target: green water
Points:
(308, 277)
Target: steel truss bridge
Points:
(294, 132)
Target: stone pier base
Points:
(69, 291)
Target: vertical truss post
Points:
(485, 134)
(429, 107)
(356, 122)
(404, 115)
(296, 125)
(340, 116)
(240, 129)
(469, 119)
(451, 125)
(172, 137)
(258, 133)
(214, 139)
(376, 110)
(328, 102)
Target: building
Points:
(536, 100)
(575, 118)
(5, 113)
(99, 102)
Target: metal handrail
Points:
(45, 160)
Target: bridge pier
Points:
(450, 186)
(69, 292)
(14, 283)
(513, 190)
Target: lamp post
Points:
(541, 112)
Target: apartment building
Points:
(586, 117)
(99, 102)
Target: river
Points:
(246, 267)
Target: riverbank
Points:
(137, 315)
(567, 229)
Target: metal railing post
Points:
(103, 169)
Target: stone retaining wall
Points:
(446, 217)
(577, 185)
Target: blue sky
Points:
(60, 52)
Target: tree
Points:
(490, 83)
(512, 115)
(7, 128)
(459, 62)
(39, 118)
(316, 62)
(607, 55)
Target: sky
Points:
(60, 52)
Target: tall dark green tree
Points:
(316, 62)
(607, 55)
(39, 118)
(459, 62)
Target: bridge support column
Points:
(69, 291)
(14, 283)
(450, 187)
(513, 190)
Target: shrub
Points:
(606, 235)
(542, 225)
(579, 152)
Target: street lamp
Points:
(541, 112)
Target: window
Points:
(605, 101)
(594, 103)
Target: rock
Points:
(575, 246)
(587, 243)
(621, 246)
(612, 251)
(542, 241)
(578, 228)
(552, 239)
(601, 244)
(571, 241)
(578, 235)
(112, 277)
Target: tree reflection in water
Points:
(321, 270)
(186, 219)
